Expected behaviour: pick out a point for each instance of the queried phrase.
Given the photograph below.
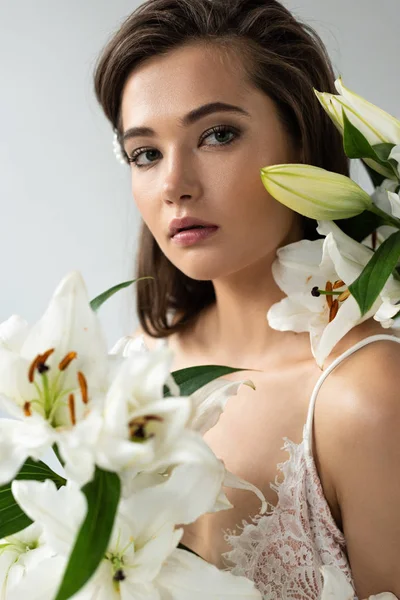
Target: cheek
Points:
(147, 208)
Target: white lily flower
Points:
(375, 124)
(142, 560)
(129, 344)
(201, 412)
(141, 427)
(384, 198)
(53, 377)
(336, 586)
(331, 264)
(21, 555)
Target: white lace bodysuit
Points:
(282, 551)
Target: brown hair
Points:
(282, 57)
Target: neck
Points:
(236, 324)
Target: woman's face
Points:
(191, 170)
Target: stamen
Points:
(68, 358)
(46, 354)
(344, 296)
(333, 310)
(71, 406)
(32, 368)
(338, 284)
(27, 409)
(137, 426)
(83, 386)
(328, 288)
(41, 362)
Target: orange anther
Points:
(333, 310)
(68, 358)
(38, 363)
(83, 386)
(31, 372)
(338, 284)
(71, 406)
(344, 296)
(27, 409)
(45, 355)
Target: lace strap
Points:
(307, 435)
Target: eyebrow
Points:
(194, 115)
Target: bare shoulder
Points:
(357, 450)
(367, 379)
(357, 412)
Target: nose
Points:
(181, 181)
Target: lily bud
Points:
(315, 192)
(374, 123)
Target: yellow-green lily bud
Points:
(315, 192)
(376, 125)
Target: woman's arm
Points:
(357, 433)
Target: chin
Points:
(201, 270)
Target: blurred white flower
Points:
(28, 565)
(142, 559)
(336, 587)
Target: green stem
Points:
(388, 219)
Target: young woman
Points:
(202, 94)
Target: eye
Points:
(219, 130)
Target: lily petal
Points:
(336, 586)
(42, 502)
(185, 575)
(70, 324)
(210, 400)
(394, 200)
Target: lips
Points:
(186, 223)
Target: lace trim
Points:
(283, 550)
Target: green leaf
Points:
(12, 517)
(367, 287)
(376, 178)
(102, 494)
(99, 300)
(193, 378)
(383, 150)
(356, 145)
